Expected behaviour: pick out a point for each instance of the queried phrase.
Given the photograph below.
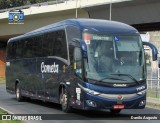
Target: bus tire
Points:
(115, 111)
(64, 101)
(19, 96)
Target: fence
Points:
(153, 82)
(153, 78)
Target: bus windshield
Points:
(114, 59)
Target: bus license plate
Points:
(119, 106)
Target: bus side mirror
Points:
(80, 44)
(76, 42)
(154, 50)
(159, 63)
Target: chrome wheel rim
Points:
(17, 93)
(64, 101)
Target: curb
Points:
(9, 112)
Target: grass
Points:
(10, 121)
(153, 105)
(153, 95)
(2, 111)
(7, 121)
(2, 80)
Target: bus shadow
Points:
(100, 115)
(41, 103)
(81, 114)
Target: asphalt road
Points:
(9, 103)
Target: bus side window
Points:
(28, 48)
(78, 62)
(19, 50)
(60, 46)
(37, 46)
(11, 51)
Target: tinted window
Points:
(47, 42)
(60, 46)
(19, 49)
(27, 48)
(11, 50)
(73, 32)
(78, 61)
(15, 50)
(37, 46)
(54, 44)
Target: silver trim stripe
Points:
(109, 96)
(115, 96)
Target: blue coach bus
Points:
(86, 64)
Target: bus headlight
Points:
(91, 103)
(89, 90)
(142, 92)
(93, 92)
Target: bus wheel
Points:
(18, 93)
(115, 111)
(64, 101)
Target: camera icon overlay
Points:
(16, 16)
(6, 117)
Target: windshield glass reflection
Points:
(115, 57)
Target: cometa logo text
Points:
(49, 68)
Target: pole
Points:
(76, 8)
(110, 15)
(151, 78)
(158, 78)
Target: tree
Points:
(4, 4)
(1, 4)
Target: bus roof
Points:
(96, 25)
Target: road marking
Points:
(6, 110)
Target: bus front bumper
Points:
(94, 102)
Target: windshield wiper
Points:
(119, 74)
(110, 78)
